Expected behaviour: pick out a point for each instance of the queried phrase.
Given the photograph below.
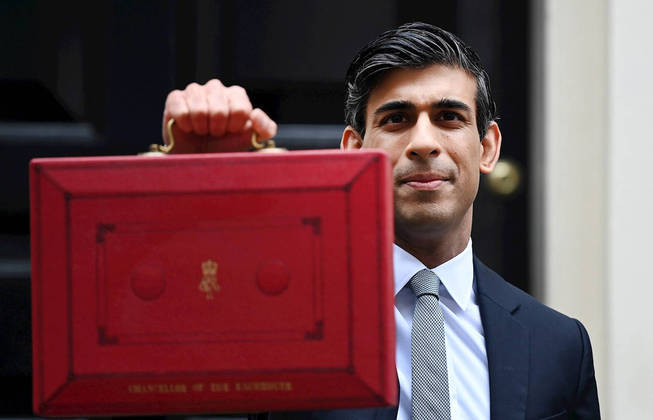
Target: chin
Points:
(422, 221)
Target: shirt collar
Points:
(457, 274)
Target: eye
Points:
(449, 116)
(450, 119)
(394, 118)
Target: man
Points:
(421, 95)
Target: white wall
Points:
(630, 225)
(573, 159)
(596, 85)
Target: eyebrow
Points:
(407, 105)
(452, 104)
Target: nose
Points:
(423, 142)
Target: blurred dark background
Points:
(90, 78)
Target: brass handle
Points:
(162, 150)
(266, 147)
(506, 178)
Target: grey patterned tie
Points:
(430, 387)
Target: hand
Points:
(214, 118)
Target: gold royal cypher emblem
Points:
(209, 283)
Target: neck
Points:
(435, 246)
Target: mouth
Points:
(426, 181)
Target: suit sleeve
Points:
(586, 405)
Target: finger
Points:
(218, 108)
(176, 108)
(198, 106)
(239, 108)
(263, 125)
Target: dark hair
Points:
(413, 45)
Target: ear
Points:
(490, 148)
(350, 139)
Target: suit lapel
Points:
(507, 344)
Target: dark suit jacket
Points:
(539, 361)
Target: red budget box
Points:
(212, 283)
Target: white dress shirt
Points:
(469, 389)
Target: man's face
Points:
(425, 119)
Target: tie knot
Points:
(425, 282)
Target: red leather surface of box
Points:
(212, 283)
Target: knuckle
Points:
(239, 96)
(174, 96)
(238, 90)
(214, 83)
